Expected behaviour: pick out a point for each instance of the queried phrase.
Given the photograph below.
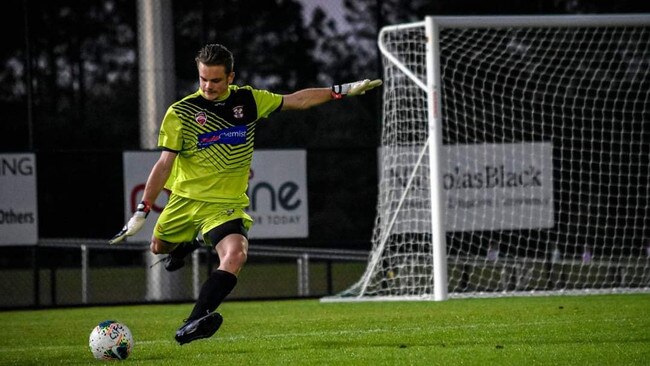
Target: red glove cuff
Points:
(144, 206)
(337, 95)
(337, 92)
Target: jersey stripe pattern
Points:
(214, 141)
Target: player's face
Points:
(214, 81)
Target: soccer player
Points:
(207, 147)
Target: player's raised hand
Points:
(355, 88)
(135, 223)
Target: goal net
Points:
(540, 132)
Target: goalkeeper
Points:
(206, 140)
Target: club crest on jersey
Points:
(238, 111)
(231, 136)
(201, 118)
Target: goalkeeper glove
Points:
(356, 88)
(135, 223)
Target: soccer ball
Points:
(111, 340)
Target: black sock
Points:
(183, 249)
(213, 291)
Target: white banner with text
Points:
(486, 187)
(277, 190)
(18, 199)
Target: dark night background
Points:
(71, 68)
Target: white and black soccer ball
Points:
(111, 340)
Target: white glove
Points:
(135, 223)
(356, 88)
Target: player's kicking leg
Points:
(232, 249)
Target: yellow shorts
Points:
(183, 219)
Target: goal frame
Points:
(432, 28)
(432, 87)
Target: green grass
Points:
(563, 330)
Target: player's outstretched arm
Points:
(155, 183)
(307, 98)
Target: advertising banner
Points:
(499, 186)
(18, 199)
(277, 190)
(486, 187)
(278, 193)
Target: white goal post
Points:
(514, 158)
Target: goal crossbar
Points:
(515, 21)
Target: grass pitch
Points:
(563, 330)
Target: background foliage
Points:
(69, 76)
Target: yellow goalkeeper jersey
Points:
(214, 141)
